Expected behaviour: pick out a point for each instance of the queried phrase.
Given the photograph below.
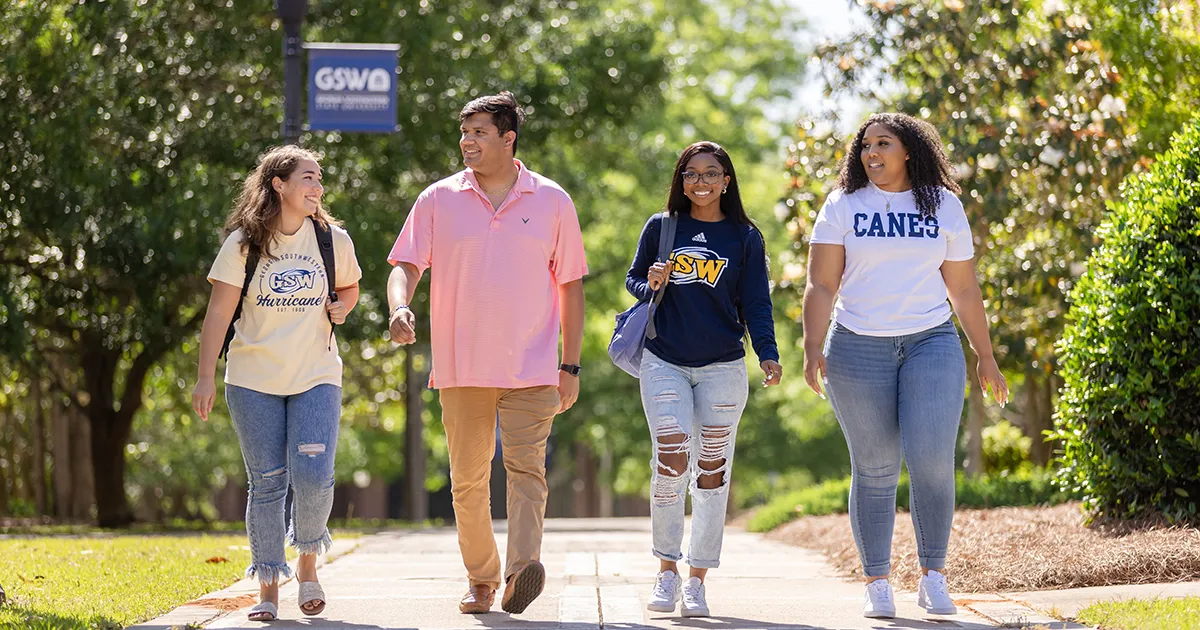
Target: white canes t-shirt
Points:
(281, 343)
(892, 284)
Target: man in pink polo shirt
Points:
(507, 262)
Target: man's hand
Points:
(403, 326)
(568, 390)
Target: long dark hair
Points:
(928, 168)
(731, 200)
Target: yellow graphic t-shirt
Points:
(281, 343)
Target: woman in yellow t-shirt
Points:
(283, 375)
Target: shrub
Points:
(1128, 416)
(1025, 487)
(1005, 447)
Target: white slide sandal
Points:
(312, 593)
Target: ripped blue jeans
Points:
(693, 412)
(286, 440)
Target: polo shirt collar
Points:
(525, 181)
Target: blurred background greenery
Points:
(129, 126)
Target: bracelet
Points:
(393, 313)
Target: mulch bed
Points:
(1021, 549)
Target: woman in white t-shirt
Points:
(891, 244)
(283, 375)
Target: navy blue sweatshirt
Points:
(720, 269)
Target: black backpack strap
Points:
(251, 267)
(325, 244)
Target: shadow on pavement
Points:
(736, 623)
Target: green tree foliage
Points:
(134, 122)
(1131, 350)
(124, 124)
(1033, 99)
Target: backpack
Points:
(324, 243)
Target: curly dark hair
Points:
(928, 168)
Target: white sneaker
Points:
(694, 604)
(666, 592)
(934, 596)
(881, 603)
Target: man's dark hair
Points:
(507, 115)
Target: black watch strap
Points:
(573, 370)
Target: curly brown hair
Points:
(256, 211)
(928, 168)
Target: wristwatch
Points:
(573, 370)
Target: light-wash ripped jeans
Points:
(700, 406)
(898, 396)
(286, 440)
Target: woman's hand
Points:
(814, 369)
(774, 372)
(337, 311)
(659, 274)
(991, 378)
(203, 396)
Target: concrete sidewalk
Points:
(599, 572)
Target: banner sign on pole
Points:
(352, 87)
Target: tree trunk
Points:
(604, 487)
(416, 498)
(585, 481)
(5, 454)
(60, 427)
(37, 467)
(111, 425)
(1052, 384)
(976, 417)
(108, 466)
(1038, 415)
(83, 488)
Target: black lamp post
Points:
(292, 13)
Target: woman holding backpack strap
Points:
(283, 374)
(693, 371)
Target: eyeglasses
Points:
(710, 177)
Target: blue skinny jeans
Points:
(894, 397)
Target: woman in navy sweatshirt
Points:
(693, 374)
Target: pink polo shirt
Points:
(494, 276)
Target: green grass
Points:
(1140, 614)
(1029, 487)
(112, 581)
(79, 576)
(210, 527)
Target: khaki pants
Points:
(469, 415)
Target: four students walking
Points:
(505, 251)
